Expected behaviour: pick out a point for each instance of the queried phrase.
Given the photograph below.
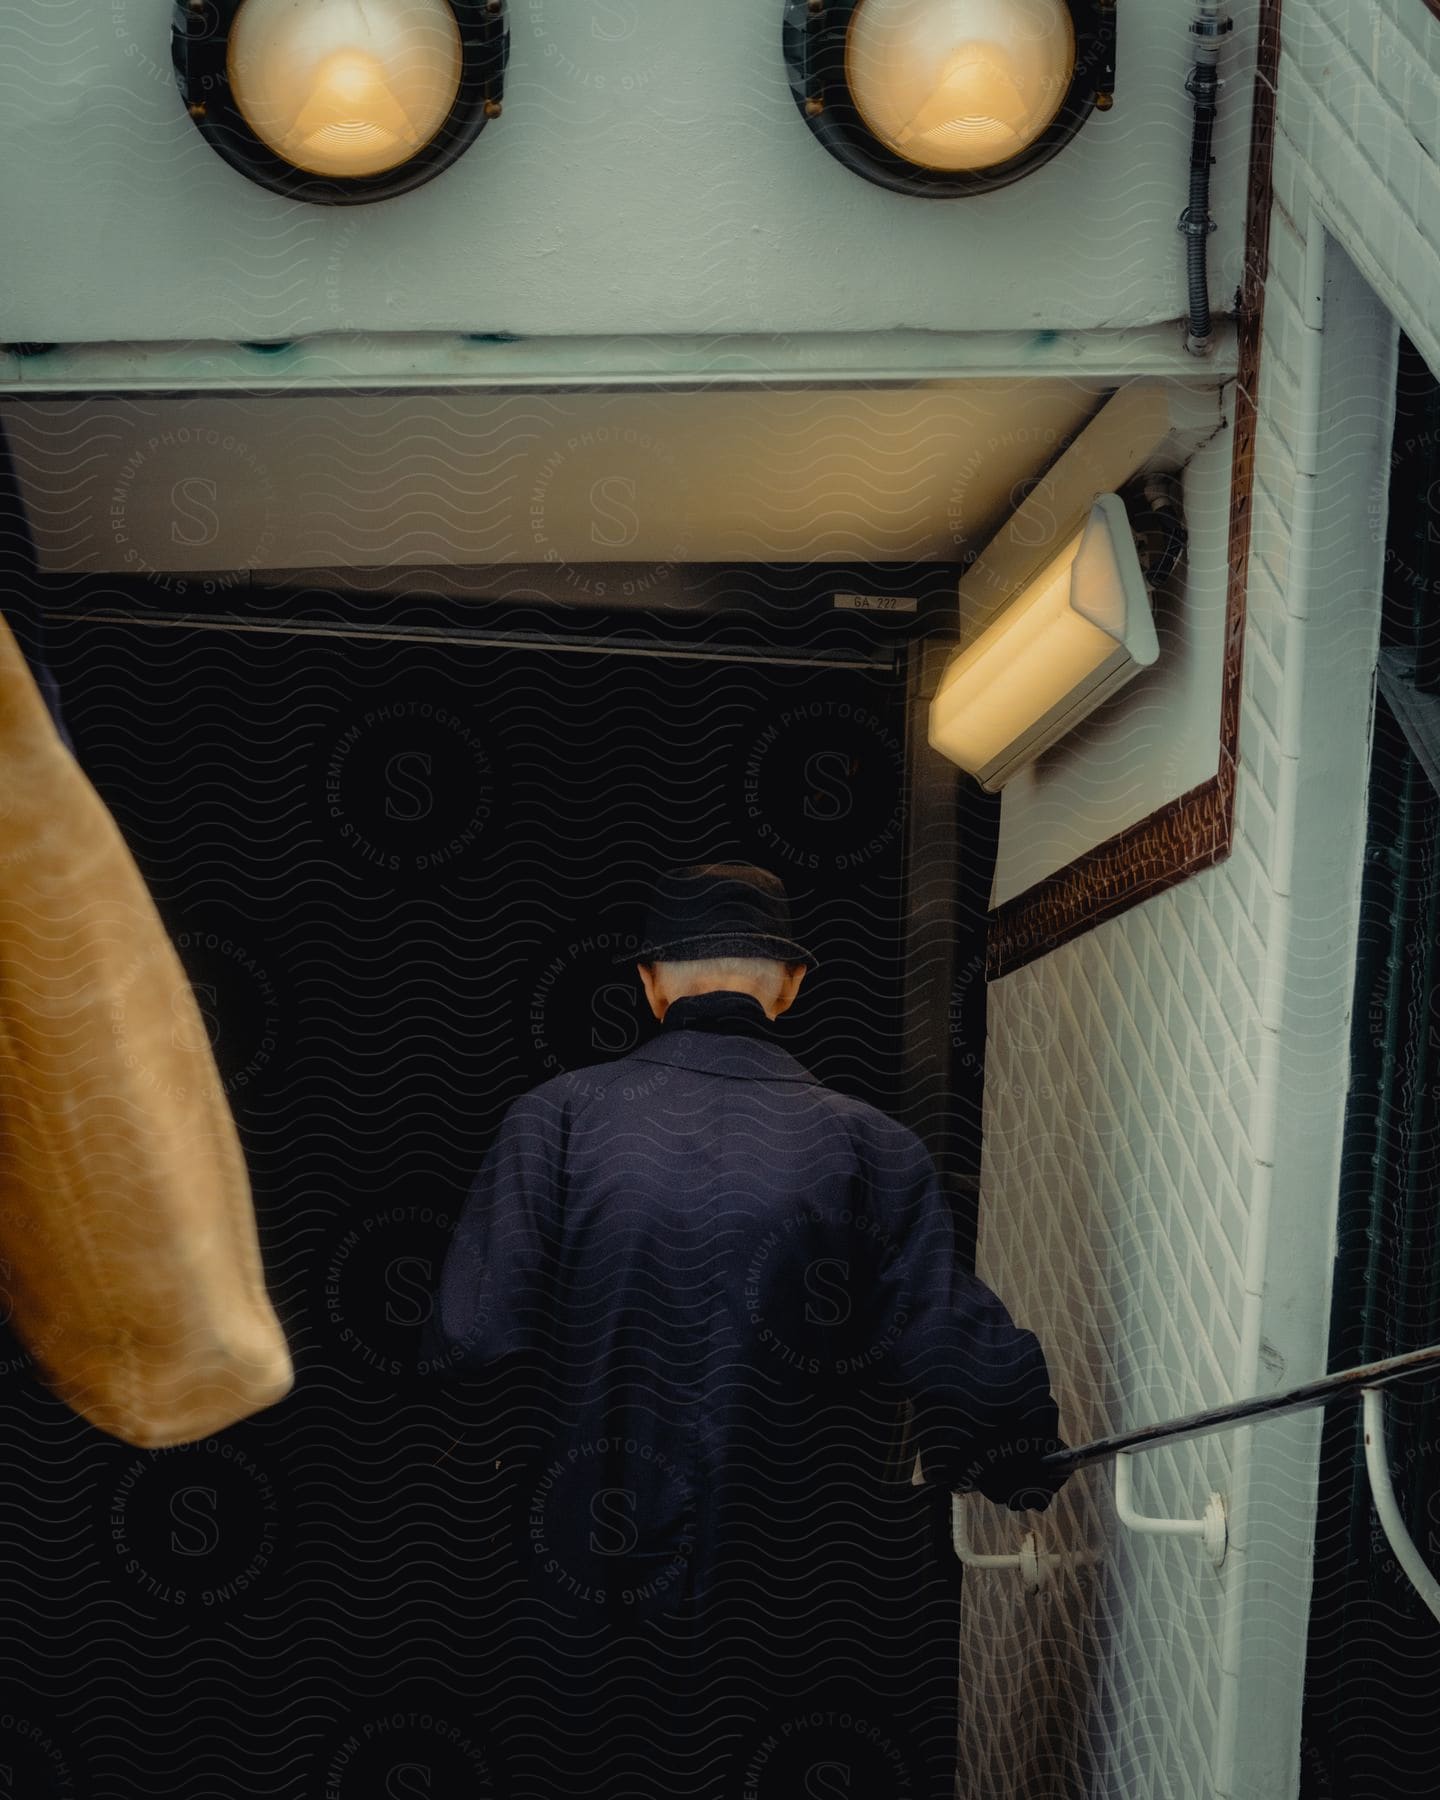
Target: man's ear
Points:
(652, 989)
(790, 986)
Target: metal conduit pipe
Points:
(1202, 84)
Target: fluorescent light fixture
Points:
(1078, 630)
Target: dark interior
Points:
(398, 845)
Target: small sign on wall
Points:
(890, 603)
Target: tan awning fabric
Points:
(128, 1242)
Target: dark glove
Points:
(1011, 1473)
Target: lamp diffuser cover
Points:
(1107, 585)
(345, 87)
(959, 85)
(1076, 632)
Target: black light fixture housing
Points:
(815, 37)
(199, 49)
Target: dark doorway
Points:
(398, 848)
(1371, 1728)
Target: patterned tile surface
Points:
(1163, 1094)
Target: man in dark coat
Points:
(718, 1277)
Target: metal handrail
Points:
(1348, 1382)
(1368, 1380)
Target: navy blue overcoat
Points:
(701, 1254)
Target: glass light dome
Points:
(345, 87)
(959, 85)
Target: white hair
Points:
(704, 973)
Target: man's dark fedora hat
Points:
(718, 909)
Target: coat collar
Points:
(723, 1033)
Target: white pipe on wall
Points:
(1377, 1464)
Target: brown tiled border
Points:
(1194, 831)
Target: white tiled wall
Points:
(1359, 123)
(1164, 1095)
